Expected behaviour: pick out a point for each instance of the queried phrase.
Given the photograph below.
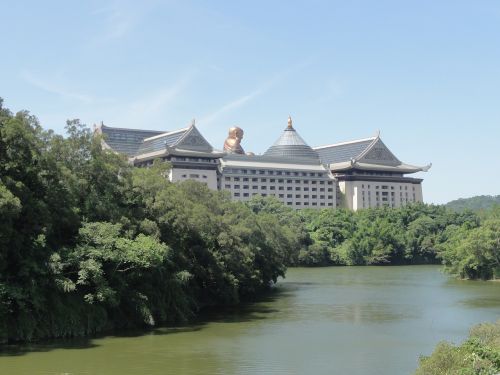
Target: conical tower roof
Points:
(291, 145)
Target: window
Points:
(331, 197)
(263, 180)
(313, 182)
(281, 195)
(322, 182)
(321, 197)
(289, 203)
(297, 196)
(236, 179)
(280, 181)
(321, 189)
(297, 181)
(262, 172)
(236, 194)
(289, 188)
(314, 196)
(289, 196)
(255, 179)
(263, 187)
(245, 194)
(272, 180)
(289, 181)
(245, 178)
(306, 189)
(306, 203)
(245, 187)
(314, 189)
(236, 186)
(226, 178)
(272, 187)
(297, 188)
(227, 186)
(194, 175)
(255, 187)
(281, 188)
(204, 176)
(306, 196)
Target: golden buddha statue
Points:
(232, 144)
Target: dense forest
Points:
(480, 202)
(90, 243)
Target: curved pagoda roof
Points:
(291, 145)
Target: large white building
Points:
(358, 174)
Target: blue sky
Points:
(425, 73)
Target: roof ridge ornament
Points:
(193, 122)
(290, 123)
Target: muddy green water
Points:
(356, 320)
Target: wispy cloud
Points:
(53, 87)
(230, 106)
(152, 105)
(240, 101)
(119, 18)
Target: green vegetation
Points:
(481, 202)
(412, 234)
(89, 243)
(479, 355)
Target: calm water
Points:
(357, 320)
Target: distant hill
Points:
(481, 202)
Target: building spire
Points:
(289, 122)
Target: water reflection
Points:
(356, 320)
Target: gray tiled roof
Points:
(126, 141)
(159, 143)
(342, 152)
(291, 145)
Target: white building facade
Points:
(355, 175)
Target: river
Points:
(337, 320)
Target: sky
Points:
(424, 73)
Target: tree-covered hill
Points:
(477, 203)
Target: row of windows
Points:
(274, 173)
(193, 175)
(274, 180)
(281, 188)
(385, 187)
(289, 196)
(203, 160)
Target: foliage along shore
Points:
(89, 243)
(478, 355)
